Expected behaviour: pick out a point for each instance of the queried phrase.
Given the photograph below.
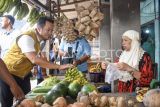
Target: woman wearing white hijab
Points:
(135, 61)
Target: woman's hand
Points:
(103, 65)
(124, 67)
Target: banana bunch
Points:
(6, 5)
(73, 74)
(21, 11)
(34, 16)
(95, 68)
(82, 81)
(140, 93)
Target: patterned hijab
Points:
(133, 56)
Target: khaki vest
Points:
(17, 63)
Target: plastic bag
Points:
(113, 73)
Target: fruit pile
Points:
(21, 10)
(34, 15)
(73, 74)
(51, 81)
(140, 93)
(95, 68)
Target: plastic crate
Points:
(96, 77)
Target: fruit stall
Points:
(74, 90)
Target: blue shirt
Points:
(39, 72)
(82, 49)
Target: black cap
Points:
(11, 18)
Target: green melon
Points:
(62, 88)
(52, 95)
(73, 89)
(86, 89)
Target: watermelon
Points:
(52, 95)
(66, 83)
(73, 89)
(62, 88)
(86, 89)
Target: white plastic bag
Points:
(113, 73)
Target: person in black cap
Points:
(7, 33)
(7, 22)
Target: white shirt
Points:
(6, 40)
(26, 44)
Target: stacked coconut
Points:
(58, 24)
(64, 28)
(68, 31)
(89, 20)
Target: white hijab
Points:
(133, 56)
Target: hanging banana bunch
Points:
(34, 15)
(23, 11)
(20, 9)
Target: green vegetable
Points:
(42, 89)
(51, 81)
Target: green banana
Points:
(33, 11)
(1, 14)
(16, 9)
(16, 2)
(2, 2)
(20, 12)
(24, 11)
(5, 6)
(11, 6)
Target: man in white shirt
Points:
(7, 34)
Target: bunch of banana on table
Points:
(95, 68)
(140, 91)
(73, 74)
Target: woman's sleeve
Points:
(146, 71)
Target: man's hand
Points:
(65, 66)
(76, 62)
(17, 92)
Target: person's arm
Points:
(87, 53)
(81, 60)
(8, 79)
(125, 67)
(146, 71)
(26, 43)
(32, 56)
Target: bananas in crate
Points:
(140, 93)
(73, 74)
(95, 68)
